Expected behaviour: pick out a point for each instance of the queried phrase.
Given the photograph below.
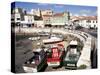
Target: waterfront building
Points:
(47, 12)
(47, 20)
(60, 19)
(86, 21)
(17, 15)
(28, 20)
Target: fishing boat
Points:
(72, 55)
(37, 62)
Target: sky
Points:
(74, 10)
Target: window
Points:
(88, 21)
(96, 21)
(18, 18)
(49, 54)
(94, 26)
(12, 19)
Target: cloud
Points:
(71, 14)
(85, 12)
(95, 13)
(76, 15)
(84, 15)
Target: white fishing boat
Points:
(52, 39)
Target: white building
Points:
(35, 12)
(28, 20)
(22, 18)
(17, 16)
(60, 19)
(47, 12)
(39, 23)
(47, 20)
(86, 21)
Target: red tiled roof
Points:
(58, 14)
(47, 15)
(89, 18)
(84, 17)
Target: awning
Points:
(26, 22)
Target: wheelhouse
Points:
(36, 63)
(55, 55)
